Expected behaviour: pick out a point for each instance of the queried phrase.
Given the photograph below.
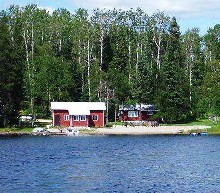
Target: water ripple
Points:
(110, 164)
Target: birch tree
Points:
(159, 25)
(194, 63)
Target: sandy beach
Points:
(143, 130)
(119, 130)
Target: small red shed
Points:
(78, 114)
(138, 112)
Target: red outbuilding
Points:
(138, 112)
(78, 114)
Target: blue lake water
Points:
(110, 164)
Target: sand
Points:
(143, 130)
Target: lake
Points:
(102, 164)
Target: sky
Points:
(202, 14)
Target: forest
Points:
(113, 56)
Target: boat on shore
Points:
(198, 134)
(71, 131)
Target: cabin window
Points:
(66, 117)
(76, 117)
(82, 118)
(95, 117)
(132, 113)
(150, 113)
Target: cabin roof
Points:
(140, 107)
(78, 108)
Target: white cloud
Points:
(190, 13)
(49, 9)
(181, 8)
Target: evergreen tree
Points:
(115, 56)
(208, 102)
(11, 58)
(209, 90)
(174, 96)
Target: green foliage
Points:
(11, 70)
(174, 96)
(114, 55)
(209, 90)
(55, 74)
(214, 130)
(195, 66)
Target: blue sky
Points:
(189, 13)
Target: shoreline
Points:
(119, 130)
(18, 134)
(143, 130)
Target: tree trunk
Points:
(129, 61)
(158, 44)
(26, 41)
(101, 49)
(137, 59)
(101, 63)
(88, 69)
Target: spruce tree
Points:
(174, 96)
(11, 58)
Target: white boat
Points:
(70, 131)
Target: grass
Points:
(18, 130)
(214, 130)
(196, 122)
(215, 127)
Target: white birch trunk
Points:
(101, 49)
(26, 41)
(129, 60)
(158, 44)
(32, 42)
(101, 63)
(107, 98)
(137, 59)
(190, 72)
(158, 41)
(79, 53)
(80, 63)
(60, 45)
(88, 69)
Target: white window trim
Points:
(132, 114)
(81, 117)
(76, 116)
(66, 118)
(95, 119)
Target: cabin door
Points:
(57, 120)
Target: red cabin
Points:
(78, 114)
(138, 112)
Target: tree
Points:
(82, 54)
(53, 82)
(174, 100)
(194, 64)
(11, 58)
(212, 43)
(114, 56)
(209, 90)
